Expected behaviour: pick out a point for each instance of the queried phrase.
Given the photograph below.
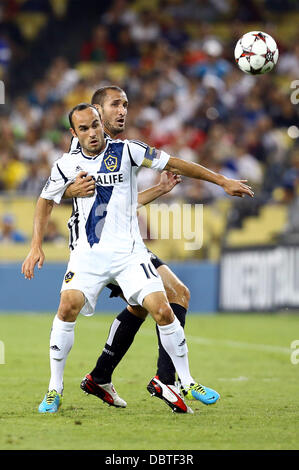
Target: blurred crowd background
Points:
(174, 59)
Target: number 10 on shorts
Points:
(148, 270)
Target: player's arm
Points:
(36, 255)
(143, 155)
(83, 186)
(62, 174)
(194, 170)
(167, 182)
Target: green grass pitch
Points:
(247, 358)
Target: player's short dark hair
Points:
(79, 107)
(100, 94)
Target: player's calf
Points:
(178, 294)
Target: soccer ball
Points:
(256, 53)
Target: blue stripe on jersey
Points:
(62, 174)
(95, 223)
(112, 158)
(96, 219)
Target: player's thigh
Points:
(85, 277)
(176, 290)
(138, 279)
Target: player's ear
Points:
(73, 132)
(99, 108)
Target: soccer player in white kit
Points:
(104, 237)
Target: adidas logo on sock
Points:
(182, 343)
(55, 348)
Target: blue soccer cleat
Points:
(51, 403)
(196, 391)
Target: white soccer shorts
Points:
(89, 271)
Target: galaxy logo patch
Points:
(69, 276)
(111, 162)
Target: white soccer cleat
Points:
(170, 394)
(105, 392)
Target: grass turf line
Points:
(258, 386)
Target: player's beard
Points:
(94, 150)
(112, 130)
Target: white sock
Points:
(174, 342)
(61, 342)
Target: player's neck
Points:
(88, 153)
(112, 135)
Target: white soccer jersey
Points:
(108, 219)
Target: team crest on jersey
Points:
(111, 162)
(69, 276)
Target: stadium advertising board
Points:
(259, 279)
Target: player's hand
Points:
(237, 188)
(168, 181)
(83, 186)
(35, 256)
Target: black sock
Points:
(165, 368)
(121, 336)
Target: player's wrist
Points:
(69, 193)
(221, 180)
(36, 245)
(161, 189)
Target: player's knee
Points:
(69, 308)
(184, 296)
(67, 312)
(179, 294)
(164, 314)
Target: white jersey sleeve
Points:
(61, 177)
(144, 155)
